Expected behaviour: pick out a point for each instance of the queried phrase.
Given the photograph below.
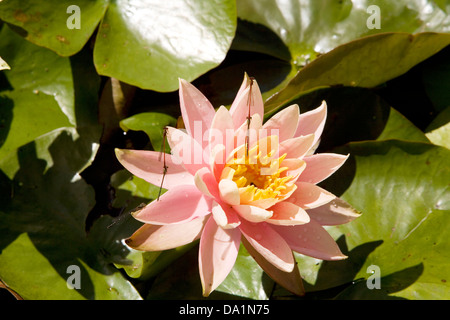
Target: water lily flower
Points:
(231, 178)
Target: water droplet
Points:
(438, 205)
(283, 32)
(258, 237)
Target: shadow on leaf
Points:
(388, 285)
(49, 202)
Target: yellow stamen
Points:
(259, 176)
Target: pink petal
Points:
(196, 110)
(206, 183)
(240, 107)
(288, 214)
(312, 240)
(178, 205)
(291, 281)
(218, 160)
(186, 151)
(218, 251)
(222, 130)
(229, 192)
(334, 213)
(295, 168)
(224, 215)
(146, 165)
(285, 122)
(263, 203)
(267, 145)
(320, 166)
(312, 122)
(245, 83)
(309, 196)
(296, 147)
(264, 239)
(151, 237)
(252, 213)
(252, 132)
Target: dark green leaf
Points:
(44, 207)
(355, 64)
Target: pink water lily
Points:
(231, 178)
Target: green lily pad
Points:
(439, 130)
(152, 123)
(247, 279)
(398, 127)
(54, 25)
(402, 190)
(156, 42)
(151, 40)
(310, 28)
(37, 94)
(42, 222)
(355, 64)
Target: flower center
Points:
(258, 176)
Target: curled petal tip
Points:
(129, 243)
(119, 152)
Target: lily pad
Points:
(247, 279)
(62, 26)
(37, 94)
(152, 123)
(402, 189)
(311, 28)
(151, 40)
(44, 208)
(439, 130)
(156, 42)
(355, 64)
